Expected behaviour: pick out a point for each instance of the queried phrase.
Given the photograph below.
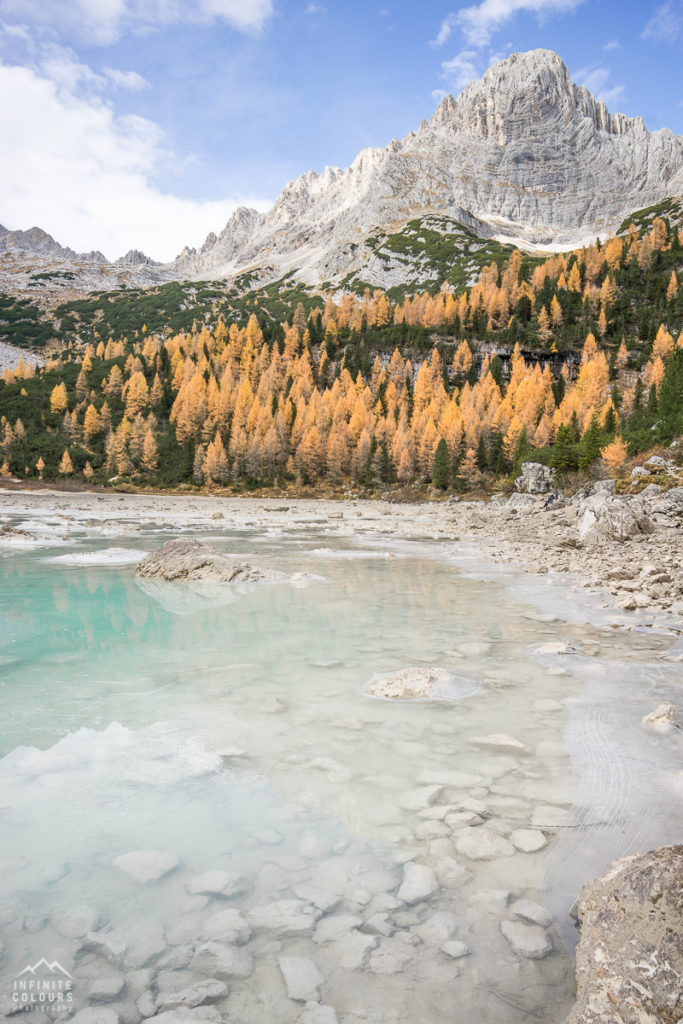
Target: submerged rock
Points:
(629, 961)
(419, 882)
(302, 978)
(527, 940)
(421, 684)
(662, 719)
(146, 866)
(186, 560)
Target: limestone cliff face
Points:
(521, 155)
(523, 150)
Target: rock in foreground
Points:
(187, 560)
(629, 962)
(421, 684)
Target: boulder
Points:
(629, 961)
(662, 719)
(608, 518)
(535, 479)
(187, 560)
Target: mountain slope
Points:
(521, 155)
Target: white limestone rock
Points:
(75, 922)
(419, 882)
(528, 840)
(187, 1015)
(531, 913)
(284, 918)
(227, 926)
(146, 866)
(192, 561)
(316, 1013)
(483, 844)
(218, 959)
(662, 719)
(501, 741)
(206, 991)
(217, 883)
(527, 940)
(302, 978)
(535, 479)
(107, 988)
(331, 928)
(456, 949)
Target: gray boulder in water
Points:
(535, 479)
(187, 560)
(629, 962)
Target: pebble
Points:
(456, 949)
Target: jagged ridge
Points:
(530, 155)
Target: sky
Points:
(144, 123)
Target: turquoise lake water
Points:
(231, 728)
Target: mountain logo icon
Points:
(43, 965)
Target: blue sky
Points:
(144, 123)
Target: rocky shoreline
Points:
(625, 550)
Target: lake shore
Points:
(636, 576)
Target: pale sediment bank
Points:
(637, 576)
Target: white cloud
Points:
(129, 80)
(461, 69)
(479, 22)
(596, 80)
(613, 44)
(87, 176)
(445, 30)
(666, 23)
(102, 22)
(62, 66)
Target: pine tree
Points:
(590, 443)
(66, 465)
(440, 467)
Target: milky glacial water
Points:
(230, 727)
